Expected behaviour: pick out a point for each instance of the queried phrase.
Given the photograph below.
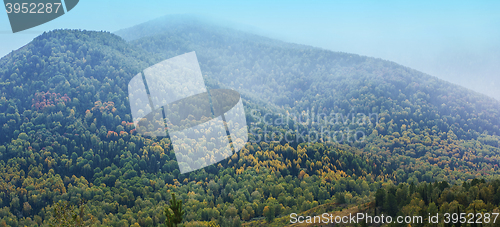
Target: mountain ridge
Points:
(161, 26)
(319, 68)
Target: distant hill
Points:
(415, 109)
(302, 77)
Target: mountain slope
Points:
(304, 78)
(421, 117)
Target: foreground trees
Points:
(174, 212)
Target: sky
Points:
(457, 41)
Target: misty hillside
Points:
(416, 110)
(67, 133)
(302, 77)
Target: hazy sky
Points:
(458, 41)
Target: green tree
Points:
(379, 197)
(390, 205)
(174, 212)
(269, 213)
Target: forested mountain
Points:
(420, 116)
(67, 132)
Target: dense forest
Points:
(68, 143)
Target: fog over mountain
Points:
(454, 41)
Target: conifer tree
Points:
(174, 212)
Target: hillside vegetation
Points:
(67, 133)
